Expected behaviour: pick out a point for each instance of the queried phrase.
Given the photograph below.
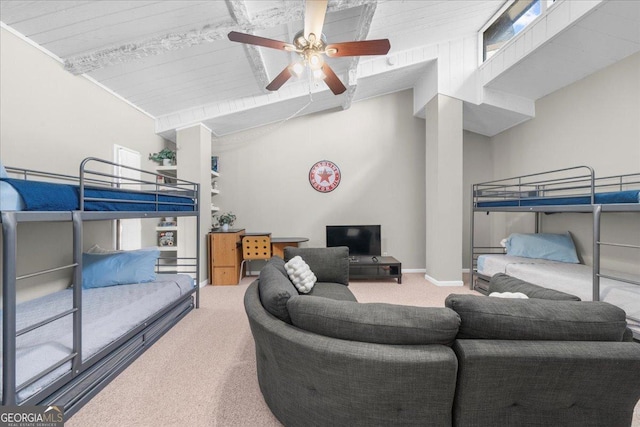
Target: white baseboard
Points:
(444, 282)
(204, 283)
(414, 270)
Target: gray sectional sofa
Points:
(323, 359)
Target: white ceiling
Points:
(173, 60)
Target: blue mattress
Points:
(629, 196)
(45, 196)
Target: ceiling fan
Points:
(311, 44)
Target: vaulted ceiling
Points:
(173, 60)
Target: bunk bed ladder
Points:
(198, 264)
(597, 213)
(10, 333)
(471, 232)
(9, 277)
(77, 292)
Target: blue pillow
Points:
(118, 268)
(554, 247)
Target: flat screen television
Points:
(360, 239)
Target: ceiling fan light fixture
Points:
(319, 74)
(315, 60)
(297, 69)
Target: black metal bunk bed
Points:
(574, 189)
(101, 193)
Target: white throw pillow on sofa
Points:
(519, 295)
(300, 274)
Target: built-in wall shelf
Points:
(170, 169)
(168, 248)
(214, 191)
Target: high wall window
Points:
(513, 20)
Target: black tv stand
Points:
(364, 267)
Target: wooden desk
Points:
(279, 243)
(225, 253)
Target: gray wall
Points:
(593, 122)
(478, 167)
(380, 149)
(51, 120)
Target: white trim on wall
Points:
(444, 282)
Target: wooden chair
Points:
(255, 247)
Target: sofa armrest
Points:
(546, 383)
(328, 264)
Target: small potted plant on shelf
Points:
(166, 157)
(225, 220)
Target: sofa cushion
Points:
(328, 264)
(278, 263)
(535, 319)
(374, 322)
(275, 289)
(335, 291)
(501, 282)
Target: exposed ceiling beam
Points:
(238, 9)
(209, 33)
(364, 24)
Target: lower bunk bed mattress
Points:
(575, 279)
(108, 313)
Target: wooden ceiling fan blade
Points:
(358, 48)
(280, 79)
(314, 13)
(235, 36)
(332, 80)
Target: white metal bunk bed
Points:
(79, 344)
(573, 189)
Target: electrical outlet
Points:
(384, 254)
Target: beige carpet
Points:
(202, 372)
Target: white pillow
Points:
(95, 249)
(300, 274)
(519, 295)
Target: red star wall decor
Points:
(324, 176)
